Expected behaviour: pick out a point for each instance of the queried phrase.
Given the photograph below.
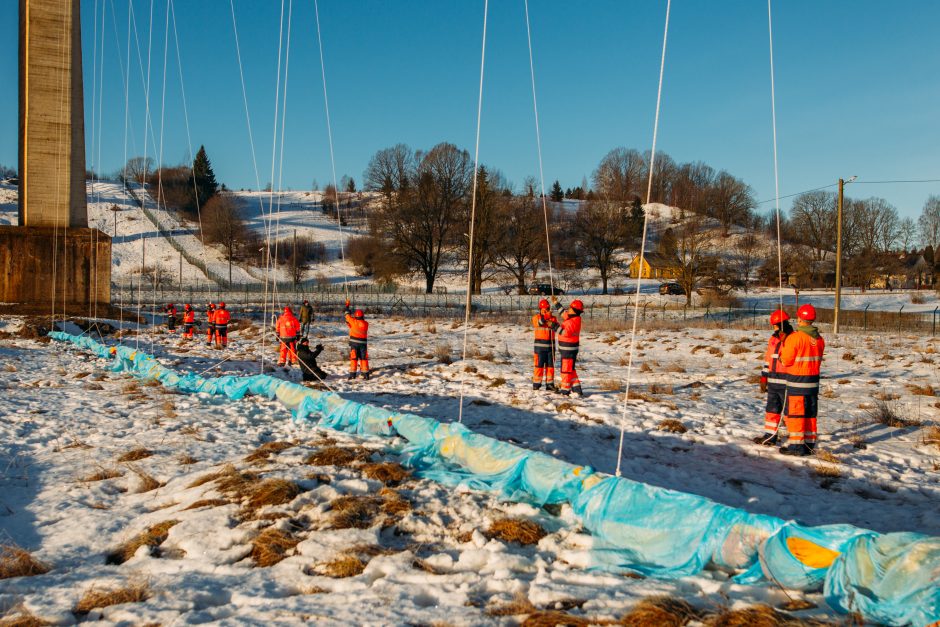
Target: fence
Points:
(615, 310)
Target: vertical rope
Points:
(166, 49)
(280, 166)
(473, 208)
(329, 133)
(773, 111)
(639, 274)
(538, 141)
(268, 223)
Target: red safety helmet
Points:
(210, 306)
(358, 314)
(577, 305)
(287, 310)
(170, 305)
(543, 304)
(222, 305)
(188, 306)
(778, 316)
(806, 312)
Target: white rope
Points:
(94, 135)
(473, 208)
(104, 10)
(63, 52)
(538, 141)
(272, 261)
(166, 49)
(144, 177)
(329, 134)
(127, 83)
(639, 274)
(280, 167)
(773, 110)
(254, 160)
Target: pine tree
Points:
(557, 195)
(351, 185)
(205, 183)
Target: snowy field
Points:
(76, 495)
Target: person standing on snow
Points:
(221, 319)
(773, 379)
(306, 317)
(569, 334)
(308, 361)
(189, 321)
(358, 343)
(287, 327)
(544, 349)
(210, 322)
(170, 317)
(801, 355)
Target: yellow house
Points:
(655, 266)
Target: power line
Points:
(910, 181)
(816, 189)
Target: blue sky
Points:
(858, 87)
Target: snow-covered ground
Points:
(64, 419)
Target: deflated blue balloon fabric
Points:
(889, 578)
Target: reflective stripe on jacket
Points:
(773, 370)
(358, 330)
(801, 355)
(544, 331)
(569, 332)
(221, 317)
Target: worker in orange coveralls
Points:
(170, 317)
(544, 349)
(288, 327)
(801, 355)
(221, 319)
(569, 333)
(210, 320)
(358, 343)
(189, 321)
(773, 379)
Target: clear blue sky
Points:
(858, 87)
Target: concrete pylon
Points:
(52, 115)
(52, 261)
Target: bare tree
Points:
(907, 234)
(389, 170)
(731, 201)
(137, 169)
(222, 223)
(603, 229)
(929, 223)
(489, 231)
(690, 251)
(747, 256)
(813, 217)
(619, 177)
(524, 245)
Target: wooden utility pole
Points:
(181, 274)
(835, 311)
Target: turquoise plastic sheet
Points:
(888, 578)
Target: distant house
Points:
(917, 272)
(655, 266)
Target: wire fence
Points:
(607, 311)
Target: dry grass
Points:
(495, 383)
(757, 616)
(15, 562)
(269, 492)
(644, 367)
(737, 349)
(553, 618)
(660, 611)
(22, 618)
(362, 512)
(848, 356)
(823, 470)
(672, 426)
(147, 482)
(207, 503)
(443, 353)
(932, 437)
(266, 450)
(135, 454)
(475, 353)
(344, 566)
(338, 456)
(661, 388)
(152, 537)
(271, 546)
(186, 460)
(389, 473)
(926, 390)
(93, 598)
(674, 368)
(714, 350)
(564, 406)
(610, 385)
(102, 474)
(824, 455)
(519, 530)
(886, 413)
(520, 605)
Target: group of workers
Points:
(567, 332)
(217, 318)
(791, 380)
(289, 328)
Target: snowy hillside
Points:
(98, 459)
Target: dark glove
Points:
(319, 347)
(763, 384)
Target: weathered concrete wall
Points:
(36, 263)
(52, 117)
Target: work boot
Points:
(536, 386)
(564, 392)
(796, 451)
(766, 440)
(366, 376)
(577, 391)
(280, 364)
(351, 376)
(550, 387)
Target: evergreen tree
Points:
(205, 183)
(351, 185)
(557, 195)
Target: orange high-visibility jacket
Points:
(189, 317)
(544, 331)
(773, 370)
(358, 330)
(288, 326)
(801, 354)
(221, 317)
(569, 332)
(210, 315)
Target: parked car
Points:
(671, 289)
(545, 289)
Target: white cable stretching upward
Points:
(251, 141)
(280, 165)
(473, 208)
(538, 140)
(143, 190)
(773, 110)
(639, 274)
(166, 49)
(271, 262)
(329, 133)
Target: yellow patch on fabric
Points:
(811, 554)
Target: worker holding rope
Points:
(569, 334)
(306, 317)
(544, 349)
(358, 343)
(221, 319)
(773, 379)
(210, 322)
(170, 311)
(801, 355)
(287, 327)
(189, 321)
